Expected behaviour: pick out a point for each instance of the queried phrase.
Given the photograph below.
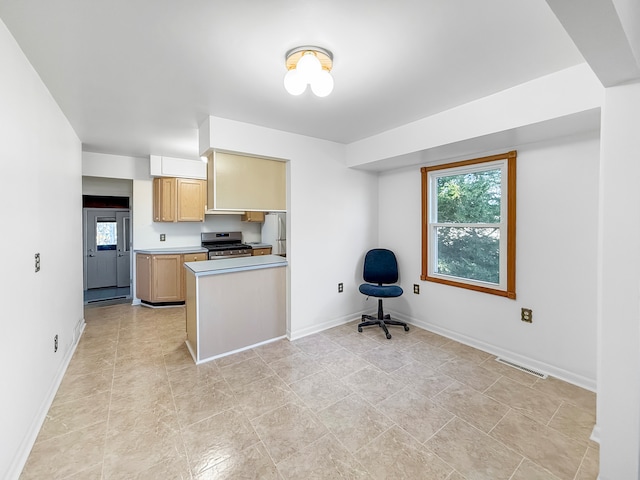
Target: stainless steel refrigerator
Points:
(274, 232)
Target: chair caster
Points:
(360, 329)
(388, 336)
(406, 329)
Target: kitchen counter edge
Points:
(173, 250)
(230, 265)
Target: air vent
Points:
(521, 368)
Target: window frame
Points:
(507, 285)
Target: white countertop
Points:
(173, 250)
(240, 264)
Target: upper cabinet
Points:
(176, 167)
(179, 199)
(243, 183)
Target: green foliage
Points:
(463, 251)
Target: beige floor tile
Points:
(295, 367)
(355, 342)
(387, 358)
(235, 358)
(324, 459)
(456, 476)
(424, 380)
(429, 355)
(472, 406)
(316, 344)
(473, 453)
(320, 390)
(559, 454)
(354, 422)
(287, 430)
(63, 418)
(574, 422)
(274, 351)
(397, 455)
(264, 395)
(254, 463)
(74, 387)
(525, 400)
(217, 439)
(205, 401)
(175, 469)
(130, 452)
(530, 471)
(91, 473)
(428, 337)
(571, 393)
(66, 455)
(373, 384)
(341, 362)
(240, 374)
(465, 352)
(178, 358)
(469, 374)
(589, 468)
(183, 380)
(415, 413)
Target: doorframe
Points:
(84, 243)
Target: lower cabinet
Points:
(160, 279)
(261, 251)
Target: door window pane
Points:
(106, 233)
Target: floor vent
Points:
(521, 368)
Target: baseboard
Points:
(16, 467)
(595, 434)
(570, 377)
(336, 322)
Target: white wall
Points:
(557, 200)
(42, 199)
(619, 288)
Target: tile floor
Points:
(338, 404)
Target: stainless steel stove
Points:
(224, 245)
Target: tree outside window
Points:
(469, 224)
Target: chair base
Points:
(381, 320)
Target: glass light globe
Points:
(322, 84)
(308, 67)
(293, 83)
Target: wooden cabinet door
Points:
(167, 278)
(253, 217)
(190, 257)
(261, 251)
(191, 200)
(164, 199)
(143, 277)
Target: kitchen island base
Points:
(235, 308)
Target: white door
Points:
(107, 248)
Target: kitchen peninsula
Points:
(234, 304)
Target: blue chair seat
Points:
(381, 291)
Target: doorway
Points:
(107, 254)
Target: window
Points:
(106, 233)
(469, 224)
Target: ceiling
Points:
(138, 77)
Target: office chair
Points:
(380, 268)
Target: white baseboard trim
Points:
(18, 463)
(595, 434)
(317, 328)
(238, 350)
(570, 377)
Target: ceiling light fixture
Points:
(309, 66)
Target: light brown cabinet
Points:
(261, 251)
(252, 217)
(160, 279)
(179, 199)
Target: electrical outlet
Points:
(37, 260)
(340, 288)
(55, 343)
(163, 237)
(526, 315)
(416, 289)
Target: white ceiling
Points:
(138, 77)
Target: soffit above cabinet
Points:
(160, 166)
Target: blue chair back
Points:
(380, 266)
